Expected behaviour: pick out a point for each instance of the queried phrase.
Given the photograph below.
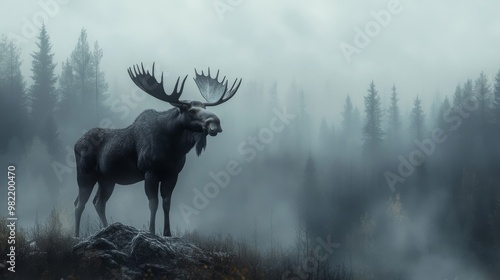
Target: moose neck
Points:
(185, 139)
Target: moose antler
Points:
(212, 90)
(148, 83)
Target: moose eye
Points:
(192, 112)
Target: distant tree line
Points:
(382, 158)
(380, 174)
(51, 101)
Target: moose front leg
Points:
(151, 188)
(166, 189)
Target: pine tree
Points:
(482, 91)
(496, 96)
(3, 48)
(433, 113)
(13, 101)
(66, 90)
(394, 114)
(3, 82)
(81, 61)
(15, 82)
(43, 90)
(417, 118)
(100, 84)
(347, 118)
(467, 90)
(373, 124)
(11, 79)
(303, 122)
(458, 98)
(357, 124)
(444, 110)
(467, 128)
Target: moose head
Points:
(194, 113)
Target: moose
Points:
(152, 149)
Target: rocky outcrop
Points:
(123, 252)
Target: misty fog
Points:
(375, 125)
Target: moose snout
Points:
(213, 127)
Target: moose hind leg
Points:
(102, 196)
(85, 186)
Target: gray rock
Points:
(123, 252)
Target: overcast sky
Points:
(426, 48)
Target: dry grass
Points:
(45, 252)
